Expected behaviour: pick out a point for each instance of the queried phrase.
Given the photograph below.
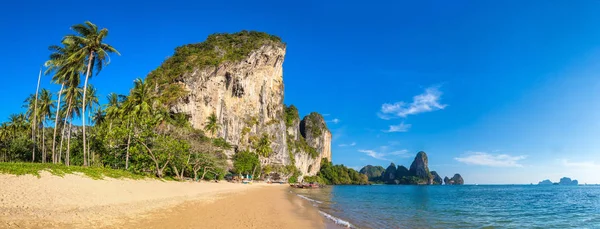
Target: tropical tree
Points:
(91, 101)
(137, 108)
(113, 108)
(4, 140)
(92, 50)
(212, 125)
(73, 96)
(263, 146)
(17, 123)
(65, 70)
(35, 120)
(46, 105)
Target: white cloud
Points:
(334, 121)
(426, 102)
(373, 154)
(485, 159)
(399, 152)
(384, 155)
(399, 128)
(585, 164)
(346, 145)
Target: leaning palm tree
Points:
(35, 120)
(65, 70)
(212, 125)
(46, 105)
(91, 49)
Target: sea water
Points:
(467, 206)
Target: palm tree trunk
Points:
(63, 129)
(89, 67)
(33, 124)
(56, 123)
(128, 143)
(127, 155)
(68, 153)
(44, 142)
(89, 149)
(37, 135)
(62, 137)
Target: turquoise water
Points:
(493, 206)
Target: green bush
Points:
(291, 115)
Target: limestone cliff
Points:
(239, 78)
(419, 168)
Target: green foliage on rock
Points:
(291, 115)
(373, 172)
(263, 146)
(221, 143)
(338, 174)
(313, 123)
(217, 49)
(419, 173)
(301, 145)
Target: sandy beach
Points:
(75, 201)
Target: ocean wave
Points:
(309, 199)
(337, 221)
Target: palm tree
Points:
(34, 123)
(46, 105)
(74, 98)
(137, 106)
(4, 135)
(113, 108)
(17, 123)
(64, 72)
(212, 125)
(89, 39)
(92, 100)
(140, 99)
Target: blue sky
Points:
(499, 91)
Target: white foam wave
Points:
(336, 220)
(309, 199)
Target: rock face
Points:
(419, 168)
(389, 175)
(418, 174)
(447, 181)
(455, 180)
(402, 172)
(309, 143)
(246, 95)
(372, 172)
(567, 181)
(458, 180)
(545, 182)
(436, 178)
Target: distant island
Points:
(417, 174)
(563, 181)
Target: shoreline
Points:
(74, 201)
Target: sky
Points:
(502, 92)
